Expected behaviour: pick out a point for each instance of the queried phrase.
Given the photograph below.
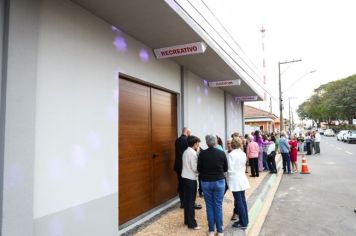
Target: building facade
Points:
(89, 115)
(260, 119)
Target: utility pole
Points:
(280, 92)
(263, 31)
(290, 115)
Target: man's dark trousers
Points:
(180, 189)
(190, 192)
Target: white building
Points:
(89, 115)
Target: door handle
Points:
(154, 155)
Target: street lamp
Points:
(280, 92)
(297, 80)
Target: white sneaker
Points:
(211, 233)
(220, 234)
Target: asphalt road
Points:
(321, 203)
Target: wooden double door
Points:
(147, 132)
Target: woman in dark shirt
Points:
(212, 165)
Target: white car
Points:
(329, 132)
(340, 135)
(350, 136)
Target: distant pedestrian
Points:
(284, 148)
(312, 142)
(189, 175)
(294, 153)
(317, 142)
(227, 151)
(181, 144)
(265, 145)
(271, 156)
(238, 182)
(220, 145)
(252, 155)
(235, 135)
(259, 141)
(301, 143)
(245, 142)
(212, 165)
(308, 143)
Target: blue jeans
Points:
(265, 163)
(241, 207)
(286, 162)
(213, 196)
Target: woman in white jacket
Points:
(238, 182)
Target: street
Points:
(321, 203)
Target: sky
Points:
(321, 33)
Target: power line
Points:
(218, 44)
(231, 37)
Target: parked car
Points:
(321, 130)
(340, 135)
(350, 136)
(329, 132)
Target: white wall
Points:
(77, 104)
(203, 108)
(234, 115)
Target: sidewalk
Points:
(171, 222)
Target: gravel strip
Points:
(171, 222)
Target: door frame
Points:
(171, 202)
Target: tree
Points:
(332, 101)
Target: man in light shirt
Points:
(317, 142)
(190, 176)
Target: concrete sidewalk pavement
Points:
(259, 197)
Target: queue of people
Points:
(216, 171)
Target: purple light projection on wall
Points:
(115, 29)
(115, 95)
(79, 157)
(206, 91)
(94, 141)
(198, 88)
(55, 226)
(112, 113)
(206, 83)
(79, 214)
(55, 168)
(198, 100)
(120, 44)
(13, 177)
(144, 55)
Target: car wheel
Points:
(348, 141)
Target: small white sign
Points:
(246, 98)
(224, 83)
(180, 50)
(354, 121)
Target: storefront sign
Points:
(224, 83)
(246, 98)
(354, 121)
(180, 50)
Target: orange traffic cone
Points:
(305, 169)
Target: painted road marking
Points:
(348, 152)
(338, 148)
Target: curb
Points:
(260, 202)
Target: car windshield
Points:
(353, 131)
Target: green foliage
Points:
(332, 101)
